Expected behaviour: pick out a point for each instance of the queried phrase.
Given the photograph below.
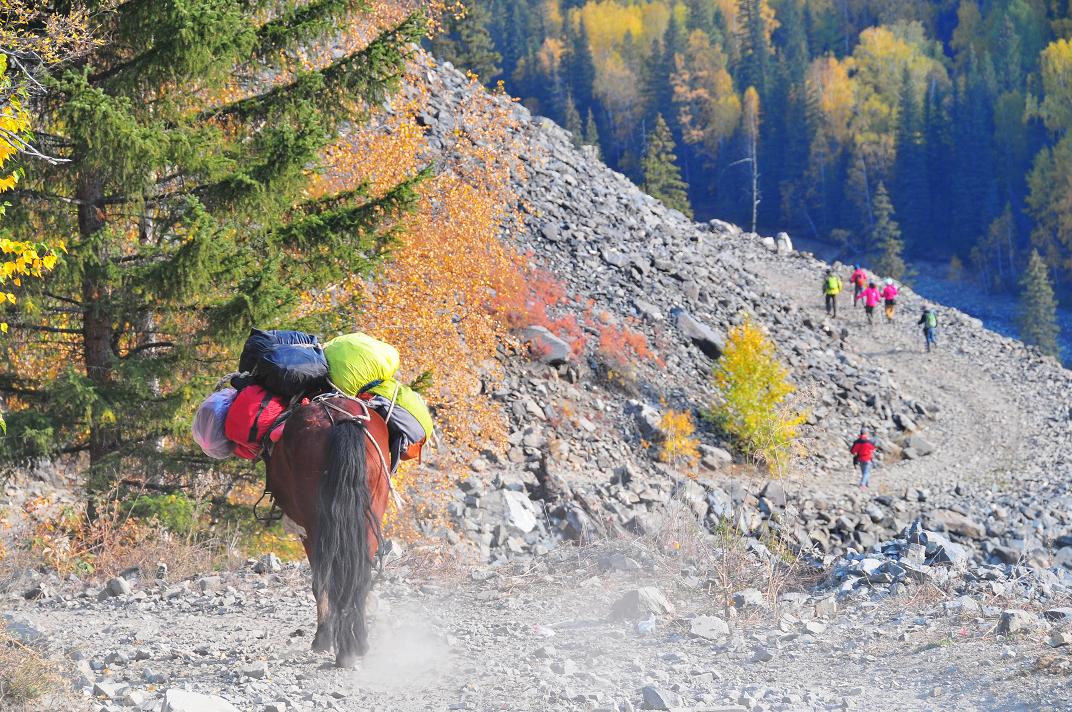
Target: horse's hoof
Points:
(346, 661)
(321, 643)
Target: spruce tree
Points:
(886, 237)
(466, 43)
(510, 22)
(662, 177)
(938, 156)
(972, 176)
(582, 68)
(911, 193)
(1038, 308)
(591, 133)
(572, 121)
(754, 68)
(189, 137)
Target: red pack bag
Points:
(249, 418)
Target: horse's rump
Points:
(300, 459)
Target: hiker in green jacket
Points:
(831, 288)
(929, 321)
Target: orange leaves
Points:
(542, 301)
(619, 345)
(433, 299)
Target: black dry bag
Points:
(291, 370)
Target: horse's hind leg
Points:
(322, 641)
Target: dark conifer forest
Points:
(960, 110)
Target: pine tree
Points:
(754, 68)
(886, 238)
(591, 133)
(662, 177)
(911, 193)
(572, 121)
(185, 209)
(475, 47)
(1038, 308)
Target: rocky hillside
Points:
(973, 438)
(946, 585)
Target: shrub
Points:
(174, 512)
(542, 301)
(679, 446)
(754, 389)
(619, 345)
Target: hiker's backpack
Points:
(292, 370)
(208, 425)
(260, 341)
(253, 413)
(931, 319)
(832, 284)
(357, 362)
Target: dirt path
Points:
(541, 637)
(979, 428)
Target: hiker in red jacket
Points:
(871, 299)
(863, 452)
(858, 279)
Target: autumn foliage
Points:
(679, 446)
(754, 391)
(435, 298)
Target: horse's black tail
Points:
(343, 563)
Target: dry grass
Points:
(28, 681)
(65, 540)
(701, 567)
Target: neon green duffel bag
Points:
(357, 360)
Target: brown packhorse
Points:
(328, 475)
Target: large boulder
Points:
(919, 445)
(648, 421)
(941, 550)
(958, 523)
(641, 602)
(544, 346)
(703, 337)
(514, 509)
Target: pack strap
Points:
(256, 421)
(369, 386)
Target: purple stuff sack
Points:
(209, 421)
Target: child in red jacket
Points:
(863, 454)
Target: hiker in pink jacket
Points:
(889, 297)
(871, 298)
